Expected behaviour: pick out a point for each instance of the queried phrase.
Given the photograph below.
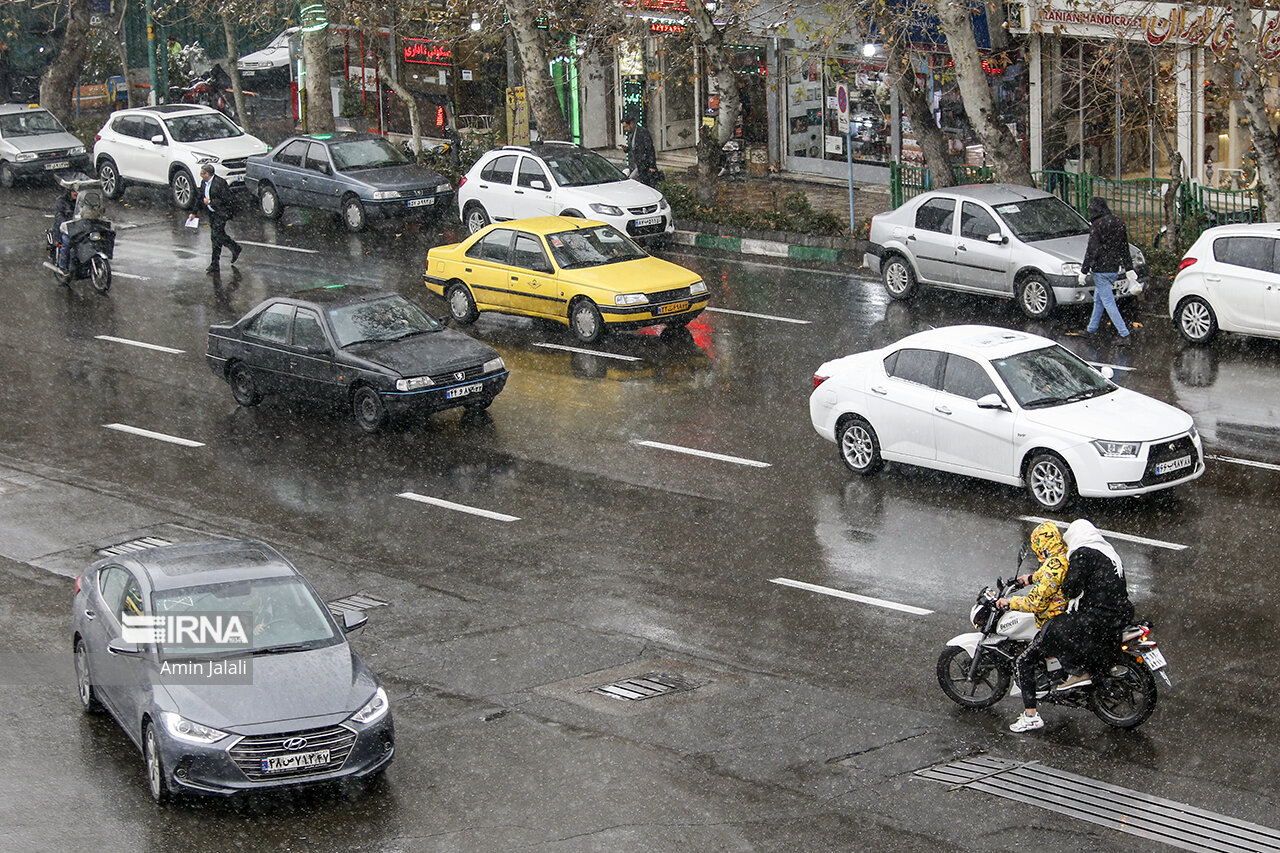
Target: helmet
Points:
(1046, 540)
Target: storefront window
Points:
(813, 115)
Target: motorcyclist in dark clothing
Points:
(1089, 632)
(64, 211)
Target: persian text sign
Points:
(427, 52)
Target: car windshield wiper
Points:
(285, 648)
(1041, 402)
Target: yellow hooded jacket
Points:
(1044, 597)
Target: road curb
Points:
(765, 247)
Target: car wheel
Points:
(1049, 480)
(462, 307)
(586, 322)
(1196, 320)
(366, 406)
(243, 388)
(859, 446)
(157, 779)
(6, 176)
(1035, 297)
(899, 278)
(269, 203)
(84, 680)
(183, 189)
(353, 215)
(475, 217)
(112, 185)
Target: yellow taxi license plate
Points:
(673, 307)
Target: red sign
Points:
(663, 27)
(426, 52)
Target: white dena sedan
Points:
(1005, 406)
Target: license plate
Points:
(235, 179)
(61, 164)
(1173, 465)
(1153, 659)
(421, 202)
(673, 307)
(454, 393)
(297, 761)
(247, 73)
(648, 220)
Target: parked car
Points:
(269, 695)
(1006, 406)
(167, 145)
(358, 175)
(559, 179)
(999, 239)
(578, 272)
(270, 64)
(1229, 280)
(371, 350)
(33, 142)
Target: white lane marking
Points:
(1236, 461)
(758, 316)
(1112, 366)
(139, 344)
(1141, 540)
(278, 246)
(851, 596)
(704, 453)
(115, 274)
(158, 436)
(589, 352)
(496, 516)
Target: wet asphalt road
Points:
(810, 712)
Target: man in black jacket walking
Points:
(1106, 256)
(642, 159)
(215, 195)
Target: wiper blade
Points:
(284, 648)
(1042, 401)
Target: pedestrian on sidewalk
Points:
(642, 158)
(215, 195)
(1106, 256)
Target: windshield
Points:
(282, 612)
(386, 319)
(365, 154)
(1042, 219)
(197, 128)
(31, 123)
(581, 169)
(1050, 377)
(592, 247)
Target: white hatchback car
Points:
(1229, 280)
(1006, 406)
(559, 179)
(167, 145)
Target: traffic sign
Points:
(842, 106)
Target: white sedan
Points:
(1002, 405)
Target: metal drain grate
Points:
(133, 546)
(359, 601)
(1132, 812)
(644, 687)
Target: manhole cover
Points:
(132, 546)
(644, 687)
(359, 602)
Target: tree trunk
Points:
(721, 69)
(538, 87)
(405, 96)
(319, 102)
(923, 124)
(1252, 94)
(1172, 218)
(59, 80)
(1000, 145)
(233, 68)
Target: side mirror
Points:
(1106, 371)
(158, 139)
(353, 620)
(538, 185)
(992, 401)
(120, 647)
(318, 349)
(997, 238)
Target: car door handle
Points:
(878, 389)
(519, 192)
(911, 236)
(89, 614)
(467, 269)
(1213, 278)
(942, 410)
(962, 248)
(515, 278)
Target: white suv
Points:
(167, 145)
(1229, 280)
(559, 179)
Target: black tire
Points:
(462, 305)
(354, 216)
(100, 273)
(157, 775)
(990, 686)
(182, 188)
(859, 445)
(899, 278)
(1049, 480)
(1196, 321)
(1035, 297)
(243, 388)
(7, 179)
(585, 321)
(112, 183)
(269, 203)
(367, 409)
(84, 680)
(1124, 701)
(475, 217)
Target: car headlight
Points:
(494, 364)
(1071, 268)
(1194, 433)
(444, 188)
(378, 195)
(607, 209)
(375, 709)
(630, 299)
(698, 287)
(1117, 449)
(662, 203)
(183, 729)
(414, 383)
(24, 157)
(79, 149)
(206, 159)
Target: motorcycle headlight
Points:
(413, 383)
(1071, 268)
(630, 299)
(379, 195)
(24, 157)
(494, 364)
(374, 710)
(697, 287)
(183, 729)
(1117, 449)
(607, 209)
(79, 149)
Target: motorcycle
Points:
(91, 239)
(212, 90)
(975, 670)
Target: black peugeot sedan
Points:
(227, 671)
(356, 175)
(369, 349)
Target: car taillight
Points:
(1186, 262)
(462, 181)
(97, 136)
(818, 379)
(77, 584)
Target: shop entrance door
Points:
(676, 107)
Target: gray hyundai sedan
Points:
(227, 671)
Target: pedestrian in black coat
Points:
(642, 159)
(215, 197)
(1105, 257)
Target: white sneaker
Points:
(1027, 723)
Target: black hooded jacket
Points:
(1108, 249)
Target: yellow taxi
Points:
(583, 273)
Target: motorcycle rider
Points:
(64, 210)
(1046, 601)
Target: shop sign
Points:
(665, 27)
(427, 52)
(677, 7)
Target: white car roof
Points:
(976, 342)
(1246, 229)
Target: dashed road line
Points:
(139, 344)
(675, 448)
(851, 596)
(759, 316)
(158, 436)
(278, 246)
(1128, 537)
(484, 513)
(589, 352)
(1237, 461)
(117, 274)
